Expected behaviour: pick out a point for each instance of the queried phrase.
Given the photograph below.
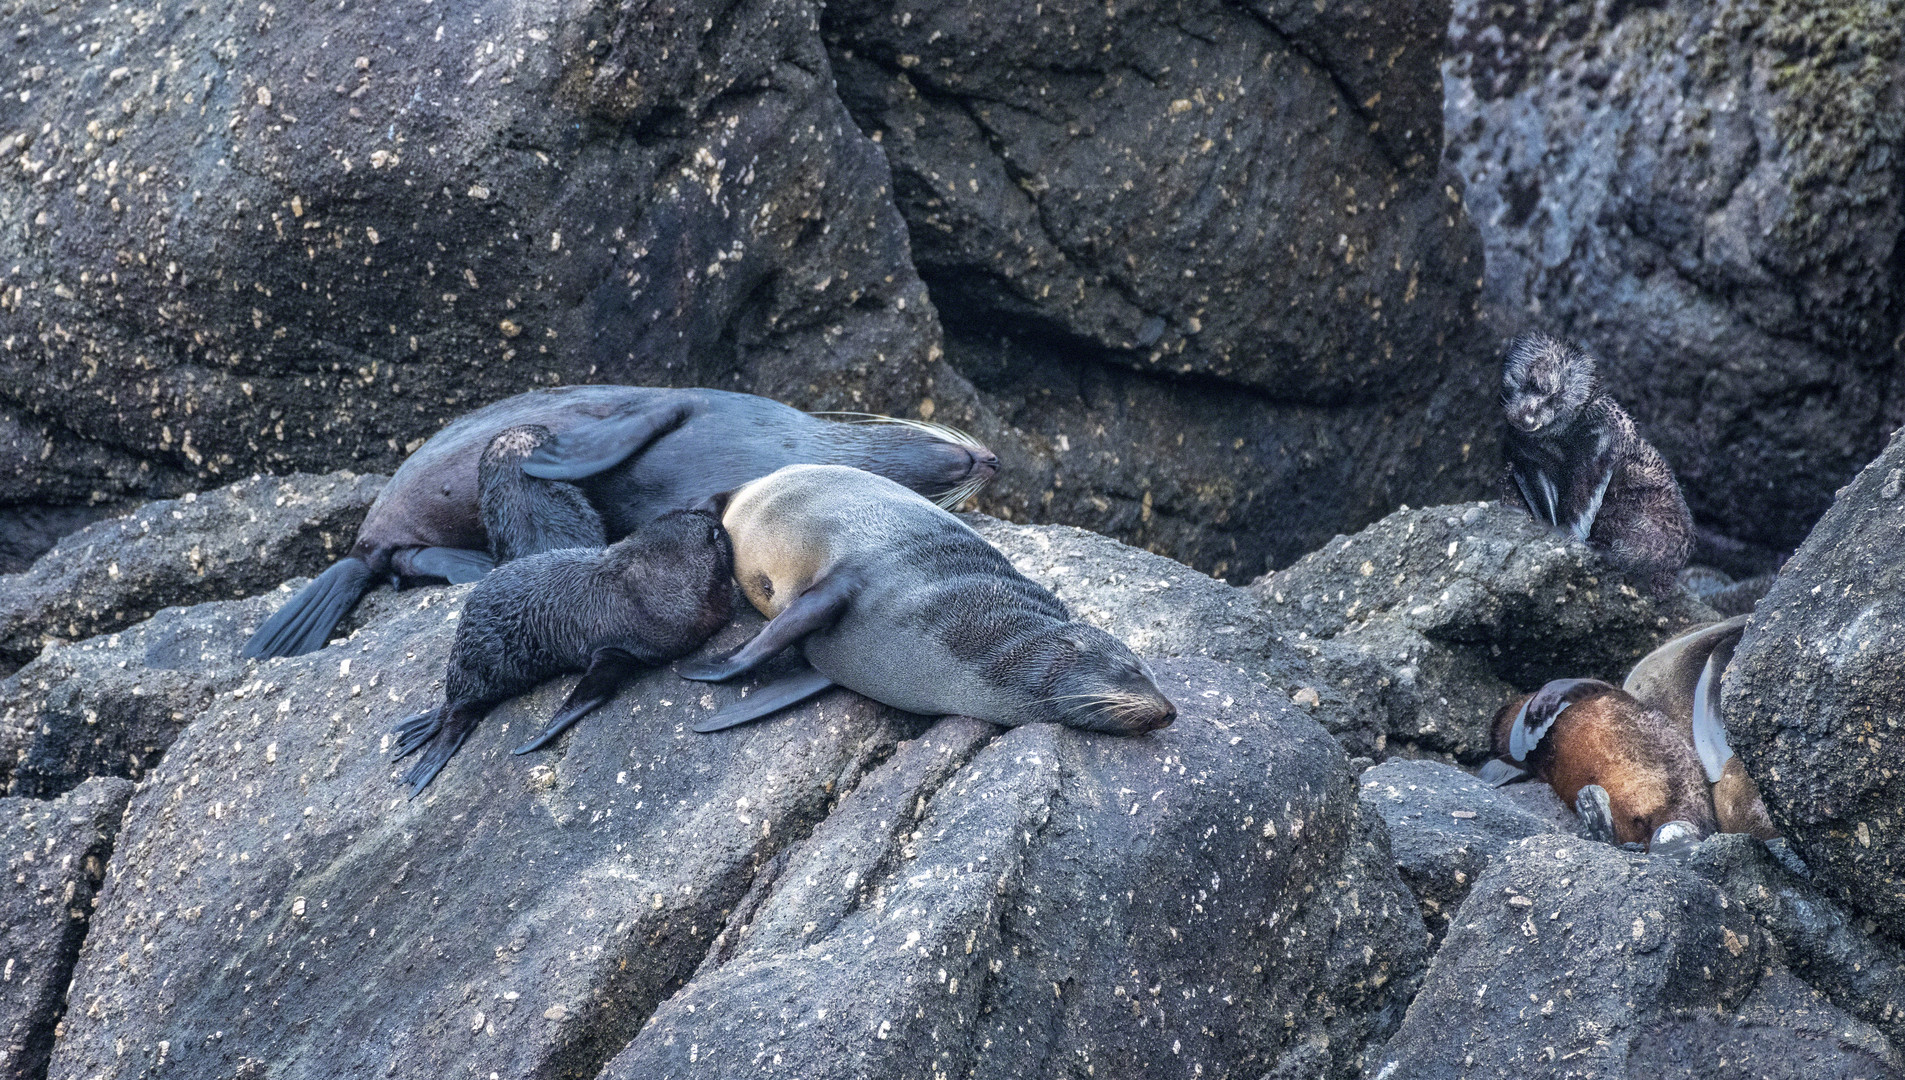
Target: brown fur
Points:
(1737, 805)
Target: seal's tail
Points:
(305, 622)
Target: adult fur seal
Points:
(633, 453)
(648, 599)
(1624, 767)
(1681, 679)
(1576, 461)
(893, 597)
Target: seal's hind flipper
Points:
(609, 668)
(766, 700)
(1709, 727)
(1498, 773)
(440, 733)
(306, 620)
(1596, 813)
(458, 566)
(815, 609)
(1539, 712)
(600, 445)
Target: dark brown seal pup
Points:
(633, 452)
(524, 515)
(893, 597)
(647, 600)
(1624, 767)
(1681, 679)
(1576, 461)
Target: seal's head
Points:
(1094, 681)
(681, 565)
(1545, 382)
(942, 463)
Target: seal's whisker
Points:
(945, 432)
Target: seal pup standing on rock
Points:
(1624, 767)
(1681, 679)
(1577, 462)
(647, 600)
(633, 452)
(894, 598)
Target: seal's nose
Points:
(983, 460)
(1163, 718)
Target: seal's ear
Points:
(716, 504)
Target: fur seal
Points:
(1624, 767)
(1576, 461)
(633, 452)
(893, 597)
(524, 515)
(1682, 680)
(652, 597)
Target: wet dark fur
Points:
(1563, 426)
(1605, 737)
(523, 515)
(428, 518)
(656, 595)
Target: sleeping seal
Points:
(633, 452)
(653, 597)
(893, 597)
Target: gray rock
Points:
(240, 539)
(1784, 1031)
(1707, 195)
(1462, 606)
(1198, 340)
(1812, 696)
(55, 856)
(1444, 826)
(1564, 955)
(991, 906)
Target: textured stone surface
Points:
(55, 855)
(241, 539)
(1813, 693)
(1707, 194)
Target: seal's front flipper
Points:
(1675, 840)
(458, 566)
(1596, 812)
(1539, 712)
(767, 700)
(1498, 773)
(609, 668)
(815, 609)
(601, 445)
(306, 620)
(439, 733)
(1709, 727)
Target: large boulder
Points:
(1706, 194)
(238, 540)
(55, 855)
(1813, 695)
(1200, 341)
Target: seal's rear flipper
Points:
(609, 668)
(1539, 712)
(815, 609)
(306, 620)
(767, 700)
(440, 733)
(458, 566)
(601, 445)
(1498, 773)
(1709, 728)
(1596, 812)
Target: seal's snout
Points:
(1162, 718)
(984, 462)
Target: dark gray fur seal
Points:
(893, 597)
(648, 599)
(633, 452)
(1576, 461)
(525, 515)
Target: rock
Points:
(1812, 695)
(1445, 825)
(1199, 341)
(985, 906)
(1563, 959)
(1706, 195)
(110, 705)
(55, 855)
(310, 247)
(241, 539)
(1462, 607)
(1784, 1031)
